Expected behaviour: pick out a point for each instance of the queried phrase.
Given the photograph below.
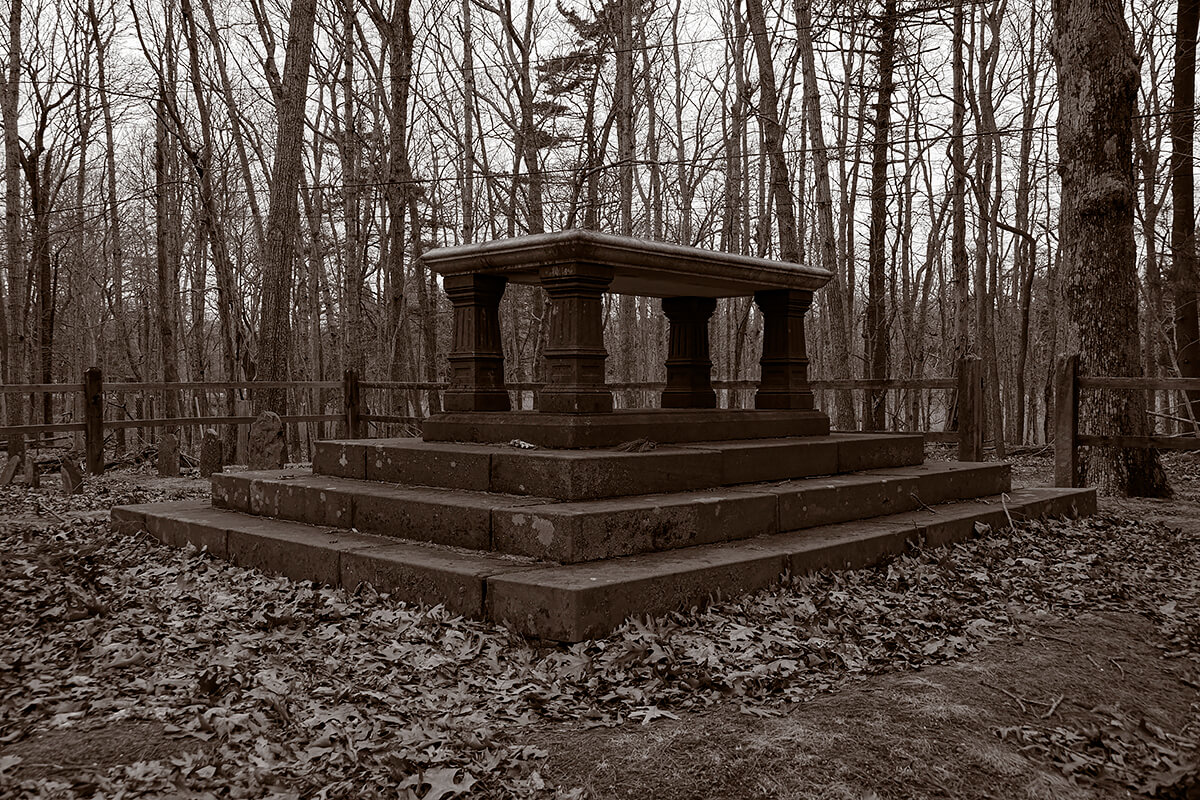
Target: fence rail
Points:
(355, 415)
(1067, 438)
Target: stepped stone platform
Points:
(563, 521)
(564, 544)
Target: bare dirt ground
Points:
(1058, 661)
(982, 727)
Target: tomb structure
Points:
(542, 520)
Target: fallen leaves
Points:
(287, 689)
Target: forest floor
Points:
(1057, 660)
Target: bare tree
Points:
(1097, 82)
(283, 218)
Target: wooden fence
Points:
(354, 417)
(1067, 438)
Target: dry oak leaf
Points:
(442, 782)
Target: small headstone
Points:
(212, 456)
(168, 456)
(72, 477)
(266, 442)
(9, 473)
(32, 477)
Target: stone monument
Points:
(566, 538)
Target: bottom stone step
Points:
(574, 602)
(416, 572)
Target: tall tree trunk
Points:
(1026, 255)
(875, 325)
(1097, 88)
(833, 296)
(772, 133)
(14, 338)
(399, 172)
(283, 218)
(350, 148)
(623, 106)
(468, 130)
(168, 242)
(959, 274)
(1183, 276)
(229, 301)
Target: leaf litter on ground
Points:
(292, 690)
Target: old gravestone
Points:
(32, 477)
(266, 442)
(9, 473)
(168, 456)
(71, 476)
(212, 455)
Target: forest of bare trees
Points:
(197, 189)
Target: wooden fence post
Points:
(1066, 421)
(970, 408)
(93, 420)
(353, 404)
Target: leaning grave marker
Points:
(566, 540)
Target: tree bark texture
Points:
(1098, 80)
(875, 326)
(283, 218)
(1183, 276)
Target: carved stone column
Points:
(784, 380)
(689, 368)
(575, 351)
(477, 358)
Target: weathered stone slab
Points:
(584, 531)
(444, 516)
(639, 266)
(300, 552)
(765, 460)
(267, 445)
(298, 496)
(848, 545)
(943, 481)
(588, 474)
(322, 501)
(212, 453)
(230, 490)
(70, 475)
(188, 522)
(1054, 502)
(580, 601)
(33, 475)
(426, 515)
(955, 522)
(608, 429)
(425, 574)
(414, 462)
(840, 498)
(9, 473)
(130, 519)
(343, 458)
(862, 451)
(168, 456)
